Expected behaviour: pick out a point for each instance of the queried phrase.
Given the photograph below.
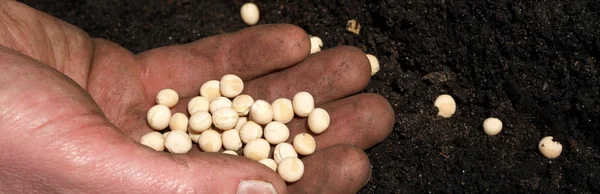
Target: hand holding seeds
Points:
(91, 115)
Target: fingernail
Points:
(370, 174)
(254, 186)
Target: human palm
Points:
(73, 109)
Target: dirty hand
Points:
(72, 109)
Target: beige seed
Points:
(304, 144)
(179, 122)
(225, 118)
(178, 142)
(446, 105)
(261, 112)
(257, 149)
(549, 148)
(492, 126)
(159, 117)
(210, 90)
(291, 169)
(250, 13)
(231, 86)
(198, 103)
(240, 122)
(210, 141)
(276, 132)
(318, 120)
(374, 64)
(154, 140)
(167, 97)
(269, 163)
(242, 103)
(219, 102)
(283, 150)
(283, 110)
(250, 131)
(200, 121)
(231, 140)
(315, 44)
(230, 152)
(195, 136)
(303, 103)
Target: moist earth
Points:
(533, 64)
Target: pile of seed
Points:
(223, 119)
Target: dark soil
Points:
(533, 64)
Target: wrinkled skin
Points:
(73, 108)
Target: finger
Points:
(338, 169)
(361, 120)
(249, 53)
(328, 75)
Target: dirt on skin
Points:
(533, 64)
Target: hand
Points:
(72, 109)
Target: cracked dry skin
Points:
(533, 64)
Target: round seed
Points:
(210, 141)
(179, 122)
(231, 85)
(167, 97)
(549, 148)
(283, 150)
(198, 103)
(269, 163)
(219, 102)
(304, 144)
(154, 140)
(242, 103)
(225, 118)
(283, 110)
(318, 120)
(178, 142)
(446, 105)
(231, 140)
(210, 90)
(200, 121)
(303, 103)
(250, 131)
(159, 117)
(291, 169)
(276, 132)
(257, 149)
(261, 112)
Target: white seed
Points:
(159, 117)
(219, 102)
(290, 169)
(240, 122)
(225, 118)
(154, 140)
(230, 152)
(242, 103)
(166, 134)
(167, 97)
(304, 144)
(269, 163)
(492, 126)
(210, 141)
(231, 140)
(549, 148)
(374, 64)
(200, 121)
(257, 149)
(250, 13)
(231, 86)
(250, 131)
(261, 112)
(446, 105)
(179, 122)
(210, 90)
(178, 142)
(198, 103)
(283, 110)
(318, 120)
(303, 103)
(276, 132)
(195, 136)
(315, 44)
(283, 150)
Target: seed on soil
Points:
(446, 105)
(492, 126)
(549, 148)
(250, 13)
(374, 63)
